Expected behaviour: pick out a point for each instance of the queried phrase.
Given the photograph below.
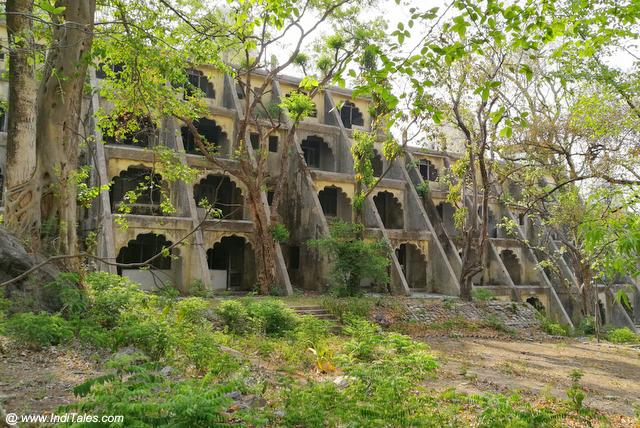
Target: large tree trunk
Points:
(59, 109)
(22, 210)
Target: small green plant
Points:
(279, 233)
(423, 189)
(38, 330)
(576, 392)
(496, 323)
(587, 326)
(345, 307)
(550, 327)
(482, 294)
(235, 316)
(271, 316)
(623, 335)
(449, 303)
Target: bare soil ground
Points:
(541, 368)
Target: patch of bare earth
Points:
(539, 369)
(38, 382)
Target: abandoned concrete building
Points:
(418, 225)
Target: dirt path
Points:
(611, 372)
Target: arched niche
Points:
(131, 130)
(351, 115)
(148, 186)
(537, 304)
(428, 171)
(221, 193)
(389, 209)
(414, 266)
(215, 139)
(160, 271)
(512, 264)
(317, 153)
(231, 263)
(335, 203)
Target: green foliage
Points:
(501, 411)
(553, 328)
(353, 258)
(279, 233)
(587, 326)
(423, 188)
(66, 294)
(145, 331)
(299, 105)
(576, 392)
(344, 308)
(38, 330)
(266, 316)
(622, 335)
(482, 294)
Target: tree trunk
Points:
(22, 211)
(265, 246)
(59, 109)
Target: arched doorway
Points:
(214, 138)
(376, 164)
(413, 265)
(428, 171)
(146, 185)
(390, 210)
(512, 264)
(220, 192)
(159, 272)
(317, 153)
(335, 203)
(232, 264)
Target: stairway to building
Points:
(315, 311)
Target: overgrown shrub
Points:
(587, 326)
(272, 317)
(552, 328)
(147, 332)
(353, 258)
(192, 310)
(346, 307)
(111, 295)
(38, 330)
(234, 316)
(622, 335)
(66, 296)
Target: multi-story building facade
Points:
(417, 224)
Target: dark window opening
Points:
(536, 303)
(144, 134)
(317, 153)
(351, 115)
(273, 143)
(270, 197)
(511, 263)
(376, 164)
(144, 247)
(239, 91)
(197, 79)
(147, 186)
(428, 171)
(329, 201)
(390, 210)
(220, 193)
(214, 137)
(3, 119)
(116, 69)
(294, 258)
(254, 137)
(521, 219)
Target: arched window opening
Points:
(537, 304)
(335, 203)
(147, 187)
(198, 80)
(230, 262)
(221, 193)
(351, 115)
(428, 171)
(214, 137)
(414, 266)
(131, 130)
(143, 248)
(512, 264)
(390, 210)
(317, 153)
